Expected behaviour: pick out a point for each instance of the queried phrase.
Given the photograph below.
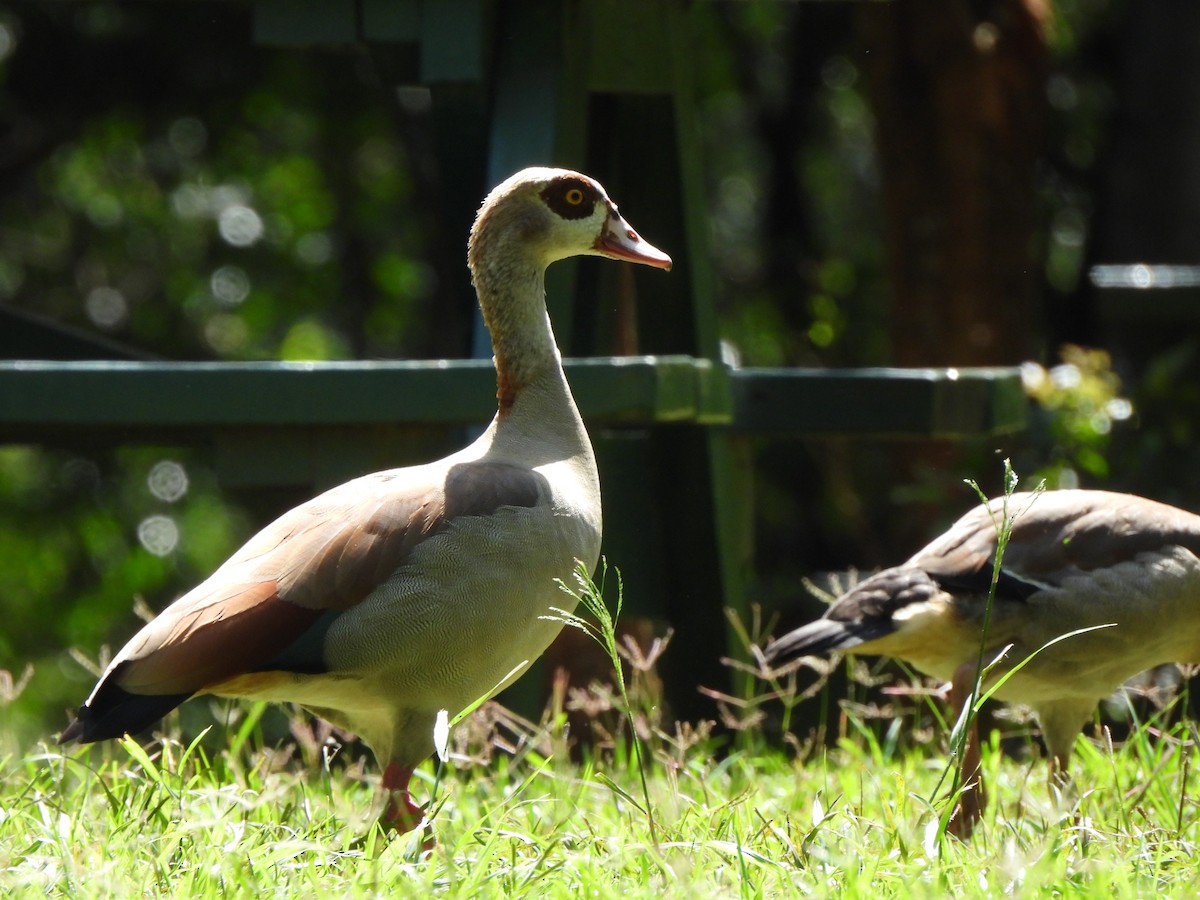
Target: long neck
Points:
(511, 293)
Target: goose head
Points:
(540, 215)
(526, 223)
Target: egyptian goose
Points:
(399, 594)
(1125, 566)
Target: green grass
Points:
(856, 820)
(661, 814)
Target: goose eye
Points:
(571, 201)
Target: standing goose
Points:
(1124, 565)
(406, 592)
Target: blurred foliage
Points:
(796, 231)
(227, 228)
(84, 537)
(1161, 455)
(1077, 403)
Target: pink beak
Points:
(619, 241)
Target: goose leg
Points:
(1061, 722)
(973, 799)
(400, 814)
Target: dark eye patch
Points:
(571, 198)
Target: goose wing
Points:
(269, 606)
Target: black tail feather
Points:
(814, 639)
(114, 712)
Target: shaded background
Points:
(919, 183)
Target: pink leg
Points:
(400, 814)
(973, 798)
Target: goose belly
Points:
(467, 611)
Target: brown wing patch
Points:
(1109, 528)
(337, 559)
(182, 653)
(1060, 533)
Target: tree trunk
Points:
(959, 101)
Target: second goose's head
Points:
(541, 215)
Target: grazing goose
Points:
(1076, 559)
(406, 592)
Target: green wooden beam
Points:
(912, 403)
(41, 394)
(36, 396)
